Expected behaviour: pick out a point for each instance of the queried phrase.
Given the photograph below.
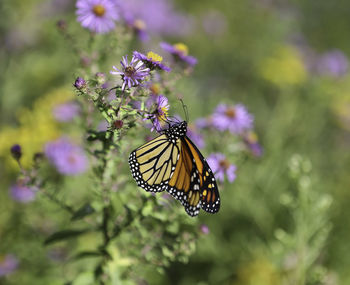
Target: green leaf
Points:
(87, 254)
(82, 212)
(63, 235)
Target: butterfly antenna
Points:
(184, 107)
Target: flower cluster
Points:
(234, 119)
(143, 16)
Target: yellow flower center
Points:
(163, 114)
(139, 25)
(224, 164)
(155, 88)
(99, 10)
(182, 48)
(252, 137)
(155, 57)
(230, 112)
(129, 71)
(72, 159)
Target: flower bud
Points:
(16, 151)
(79, 83)
(101, 78)
(118, 124)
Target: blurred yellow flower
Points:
(258, 272)
(36, 127)
(284, 68)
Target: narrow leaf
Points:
(82, 212)
(63, 235)
(87, 254)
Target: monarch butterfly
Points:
(173, 163)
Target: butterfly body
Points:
(171, 162)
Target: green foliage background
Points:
(285, 220)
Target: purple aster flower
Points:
(22, 193)
(8, 264)
(195, 137)
(151, 60)
(68, 158)
(333, 63)
(204, 229)
(235, 118)
(160, 114)
(16, 151)
(98, 16)
(179, 52)
(221, 167)
(132, 74)
(66, 112)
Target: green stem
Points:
(60, 203)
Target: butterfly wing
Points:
(184, 184)
(153, 164)
(209, 193)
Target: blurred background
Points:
(285, 219)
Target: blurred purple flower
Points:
(160, 113)
(98, 16)
(195, 137)
(204, 229)
(66, 112)
(22, 193)
(151, 60)
(132, 74)
(103, 126)
(51, 8)
(333, 63)
(8, 264)
(235, 118)
(154, 17)
(68, 158)
(179, 52)
(221, 167)
(139, 27)
(203, 123)
(251, 140)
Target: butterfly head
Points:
(177, 130)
